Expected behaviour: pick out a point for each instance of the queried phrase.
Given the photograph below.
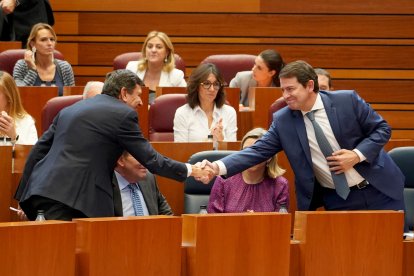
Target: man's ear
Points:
(123, 94)
(310, 85)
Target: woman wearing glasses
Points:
(205, 112)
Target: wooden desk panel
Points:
(350, 243)
(408, 264)
(237, 244)
(9, 45)
(34, 99)
(129, 246)
(73, 90)
(37, 249)
(6, 182)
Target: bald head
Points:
(92, 88)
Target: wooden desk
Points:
(350, 243)
(170, 90)
(143, 112)
(34, 99)
(237, 244)
(129, 246)
(73, 90)
(37, 249)
(408, 264)
(9, 45)
(6, 182)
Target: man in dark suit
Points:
(68, 173)
(355, 132)
(18, 17)
(129, 171)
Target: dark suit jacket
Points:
(25, 15)
(355, 125)
(154, 199)
(73, 161)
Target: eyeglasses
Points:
(207, 84)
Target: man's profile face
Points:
(133, 99)
(323, 83)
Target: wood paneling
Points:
(271, 25)
(228, 6)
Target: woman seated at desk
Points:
(205, 112)
(16, 125)
(265, 73)
(157, 66)
(39, 67)
(261, 188)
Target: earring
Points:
(165, 60)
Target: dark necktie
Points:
(136, 201)
(341, 185)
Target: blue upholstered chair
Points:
(195, 192)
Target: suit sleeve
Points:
(39, 150)
(131, 139)
(376, 130)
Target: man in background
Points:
(129, 175)
(324, 79)
(92, 88)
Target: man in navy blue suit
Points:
(355, 132)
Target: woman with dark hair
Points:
(261, 188)
(265, 73)
(205, 112)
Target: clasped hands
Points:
(204, 171)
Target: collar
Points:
(122, 182)
(316, 106)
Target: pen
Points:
(14, 209)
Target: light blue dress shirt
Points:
(126, 196)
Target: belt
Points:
(359, 186)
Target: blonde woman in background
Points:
(261, 188)
(157, 66)
(16, 125)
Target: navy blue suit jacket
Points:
(355, 125)
(73, 161)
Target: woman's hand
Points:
(28, 57)
(7, 126)
(217, 130)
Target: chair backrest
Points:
(9, 58)
(230, 65)
(196, 193)
(121, 61)
(403, 157)
(161, 116)
(54, 105)
(276, 105)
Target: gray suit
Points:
(154, 199)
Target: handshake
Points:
(204, 171)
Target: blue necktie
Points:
(339, 180)
(136, 201)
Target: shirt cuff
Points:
(222, 167)
(189, 169)
(360, 155)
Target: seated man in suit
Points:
(92, 88)
(129, 171)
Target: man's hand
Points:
(205, 171)
(8, 6)
(342, 160)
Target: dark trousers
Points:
(368, 198)
(53, 210)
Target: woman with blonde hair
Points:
(16, 125)
(39, 67)
(157, 66)
(261, 188)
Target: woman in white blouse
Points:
(205, 112)
(16, 125)
(157, 67)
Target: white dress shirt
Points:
(320, 165)
(191, 125)
(126, 196)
